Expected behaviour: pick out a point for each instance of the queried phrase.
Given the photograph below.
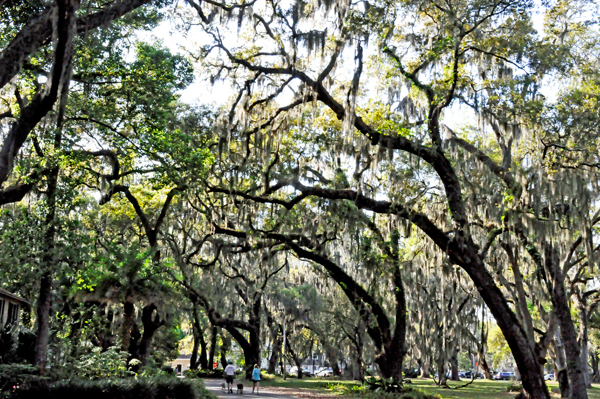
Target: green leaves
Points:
(109, 364)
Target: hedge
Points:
(130, 388)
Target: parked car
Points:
(466, 374)
(412, 372)
(325, 372)
(549, 377)
(294, 371)
(504, 375)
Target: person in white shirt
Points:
(229, 374)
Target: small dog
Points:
(223, 386)
(240, 389)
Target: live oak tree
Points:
(29, 31)
(445, 54)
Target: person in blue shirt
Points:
(255, 378)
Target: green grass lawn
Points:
(306, 383)
(484, 389)
(480, 389)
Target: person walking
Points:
(255, 378)
(229, 375)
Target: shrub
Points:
(15, 376)
(514, 387)
(168, 370)
(383, 385)
(112, 363)
(130, 388)
(375, 388)
(17, 345)
(218, 373)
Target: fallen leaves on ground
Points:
(303, 393)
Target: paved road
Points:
(214, 386)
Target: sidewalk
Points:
(214, 386)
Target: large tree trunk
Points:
(213, 347)
(151, 323)
(560, 302)
(199, 342)
(250, 348)
(203, 348)
(275, 350)
(481, 348)
(226, 344)
(441, 363)
(595, 369)
(581, 301)
(128, 324)
(66, 13)
(253, 357)
(394, 347)
(43, 320)
(194, 357)
(359, 372)
(525, 356)
(196, 333)
(454, 363)
(425, 366)
(560, 365)
(390, 362)
(484, 365)
(336, 369)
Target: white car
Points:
(328, 372)
(294, 371)
(549, 377)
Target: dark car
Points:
(466, 374)
(411, 372)
(504, 375)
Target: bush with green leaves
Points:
(377, 388)
(128, 388)
(111, 363)
(17, 344)
(16, 376)
(217, 373)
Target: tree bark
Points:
(560, 365)
(15, 139)
(151, 323)
(581, 302)
(226, 344)
(199, 343)
(213, 347)
(595, 368)
(203, 348)
(336, 369)
(425, 366)
(127, 327)
(525, 356)
(441, 359)
(194, 357)
(454, 363)
(560, 302)
(275, 350)
(43, 320)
